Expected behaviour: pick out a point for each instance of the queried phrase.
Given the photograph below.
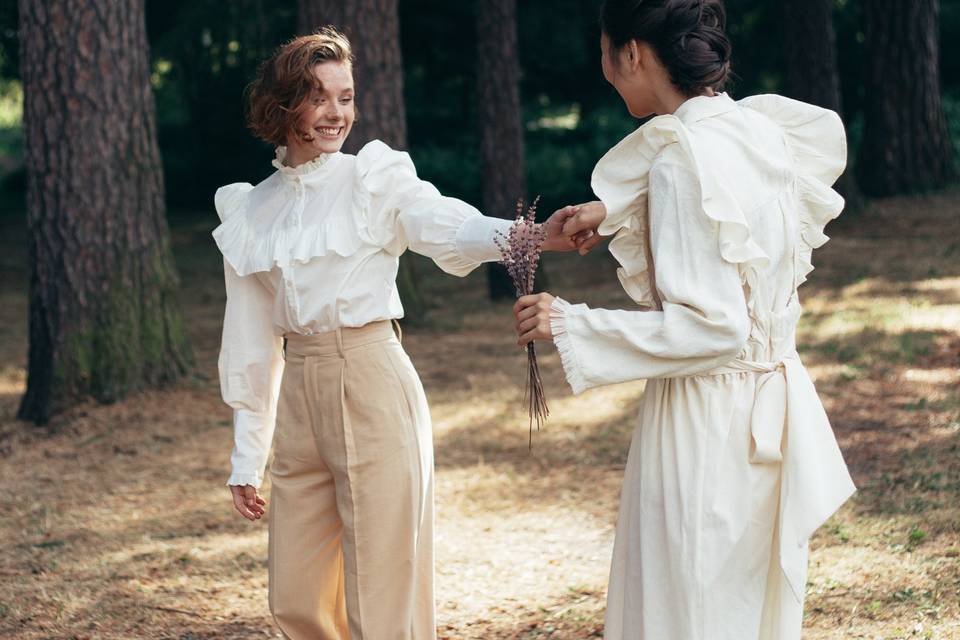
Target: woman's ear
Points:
(634, 53)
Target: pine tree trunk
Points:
(501, 122)
(810, 47)
(373, 27)
(906, 143)
(104, 317)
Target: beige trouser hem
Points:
(351, 513)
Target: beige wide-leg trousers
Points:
(351, 509)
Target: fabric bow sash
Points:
(789, 425)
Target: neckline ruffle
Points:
(301, 169)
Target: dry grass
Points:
(117, 524)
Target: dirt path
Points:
(118, 526)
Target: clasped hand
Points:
(568, 229)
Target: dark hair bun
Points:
(688, 37)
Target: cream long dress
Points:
(733, 464)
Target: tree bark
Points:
(373, 27)
(810, 48)
(501, 122)
(906, 144)
(104, 317)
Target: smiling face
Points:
(328, 113)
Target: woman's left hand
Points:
(532, 314)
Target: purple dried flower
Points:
(520, 254)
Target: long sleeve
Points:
(405, 212)
(704, 319)
(250, 365)
(455, 235)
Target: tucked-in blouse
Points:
(314, 248)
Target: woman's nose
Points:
(332, 110)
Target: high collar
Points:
(701, 107)
(301, 169)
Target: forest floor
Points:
(117, 524)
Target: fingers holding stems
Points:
(532, 318)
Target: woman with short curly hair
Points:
(310, 360)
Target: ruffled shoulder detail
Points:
(814, 136)
(817, 143)
(264, 228)
(379, 171)
(621, 180)
(231, 199)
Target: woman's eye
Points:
(346, 100)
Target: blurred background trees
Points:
(204, 52)
(494, 100)
(906, 145)
(500, 117)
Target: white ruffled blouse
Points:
(716, 210)
(316, 247)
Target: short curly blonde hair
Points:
(276, 98)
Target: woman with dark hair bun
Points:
(715, 206)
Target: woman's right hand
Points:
(248, 502)
(581, 227)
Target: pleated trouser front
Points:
(351, 509)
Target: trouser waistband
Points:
(339, 340)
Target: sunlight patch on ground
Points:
(13, 380)
(591, 408)
(119, 526)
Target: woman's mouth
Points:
(329, 132)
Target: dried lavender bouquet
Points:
(520, 254)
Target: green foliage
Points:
(204, 53)
(11, 128)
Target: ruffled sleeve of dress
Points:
(250, 362)
(623, 185)
(817, 144)
(401, 211)
(698, 241)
